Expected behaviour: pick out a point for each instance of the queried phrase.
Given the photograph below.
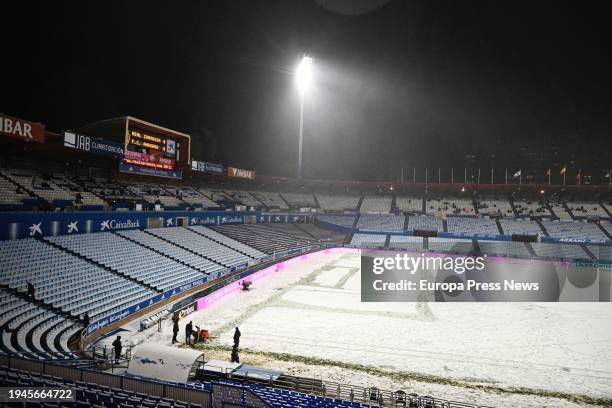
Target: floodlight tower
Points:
(303, 78)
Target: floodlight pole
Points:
(299, 175)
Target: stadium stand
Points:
(177, 253)
(409, 204)
(569, 230)
(228, 242)
(65, 281)
(298, 200)
(264, 238)
(129, 259)
(109, 191)
(448, 206)
(424, 222)
(587, 209)
(504, 248)
(321, 234)
(531, 208)
(376, 205)
(199, 244)
(603, 253)
(559, 251)
(460, 246)
(10, 194)
(520, 227)
(155, 194)
(338, 203)
(244, 197)
(386, 223)
(270, 200)
(194, 197)
(369, 240)
(496, 207)
(345, 221)
(22, 325)
(406, 242)
(477, 226)
(560, 211)
(91, 394)
(53, 190)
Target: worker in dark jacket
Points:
(188, 332)
(237, 337)
(235, 358)
(31, 290)
(175, 328)
(117, 345)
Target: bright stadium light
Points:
(303, 79)
(303, 74)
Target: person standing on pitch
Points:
(188, 330)
(117, 345)
(175, 328)
(237, 335)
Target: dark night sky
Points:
(413, 84)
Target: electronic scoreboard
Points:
(146, 148)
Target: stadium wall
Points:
(27, 225)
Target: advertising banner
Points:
(15, 225)
(240, 173)
(156, 160)
(22, 129)
(206, 167)
(128, 168)
(92, 145)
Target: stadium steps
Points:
(499, 226)
(542, 227)
(358, 215)
(589, 253)
(605, 209)
(30, 192)
(387, 240)
(348, 239)
(300, 239)
(316, 200)
(564, 204)
(284, 200)
(306, 232)
(444, 225)
(220, 243)
(604, 231)
(550, 209)
(80, 183)
(514, 210)
(258, 200)
(359, 207)
(182, 247)
(426, 243)
(98, 264)
(157, 251)
(38, 302)
(530, 249)
(405, 226)
(475, 204)
(393, 203)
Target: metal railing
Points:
(81, 375)
(370, 396)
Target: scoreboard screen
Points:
(145, 141)
(146, 148)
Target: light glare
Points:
(303, 75)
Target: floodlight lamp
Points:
(303, 74)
